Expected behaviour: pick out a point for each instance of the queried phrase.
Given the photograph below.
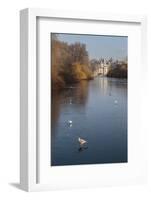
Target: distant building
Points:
(105, 65)
(100, 67)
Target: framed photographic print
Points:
(82, 78)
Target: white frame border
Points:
(28, 82)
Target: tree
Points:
(70, 63)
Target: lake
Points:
(98, 111)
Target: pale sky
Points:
(100, 46)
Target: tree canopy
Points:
(69, 63)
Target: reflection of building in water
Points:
(104, 85)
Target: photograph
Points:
(89, 99)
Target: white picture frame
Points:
(29, 141)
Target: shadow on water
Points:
(82, 148)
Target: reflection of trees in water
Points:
(116, 86)
(79, 94)
(55, 107)
(118, 82)
(73, 96)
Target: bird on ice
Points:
(116, 102)
(70, 123)
(82, 141)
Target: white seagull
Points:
(82, 141)
(70, 123)
(116, 102)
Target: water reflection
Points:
(95, 116)
(73, 95)
(82, 149)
